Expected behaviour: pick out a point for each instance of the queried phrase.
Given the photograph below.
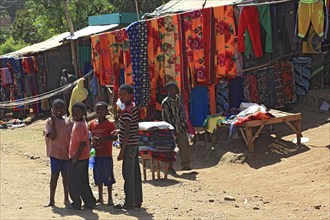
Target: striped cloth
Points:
(302, 74)
(130, 113)
(222, 96)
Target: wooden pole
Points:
(137, 9)
(73, 46)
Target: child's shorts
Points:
(103, 171)
(57, 165)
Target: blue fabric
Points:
(236, 92)
(199, 105)
(103, 171)
(222, 96)
(93, 86)
(302, 74)
(57, 165)
(138, 46)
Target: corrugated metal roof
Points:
(58, 40)
(176, 6)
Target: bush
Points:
(10, 45)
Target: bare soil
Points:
(279, 181)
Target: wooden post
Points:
(249, 138)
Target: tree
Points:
(144, 5)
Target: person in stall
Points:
(66, 79)
(173, 113)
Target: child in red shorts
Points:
(102, 129)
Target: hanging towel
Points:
(199, 105)
(302, 72)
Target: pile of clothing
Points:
(157, 139)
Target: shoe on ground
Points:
(124, 207)
(138, 205)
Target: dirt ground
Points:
(279, 181)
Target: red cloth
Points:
(255, 116)
(102, 130)
(79, 134)
(249, 19)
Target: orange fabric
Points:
(79, 134)
(224, 41)
(102, 130)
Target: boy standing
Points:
(101, 129)
(79, 155)
(128, 138)
(57, 136)
(173, 113)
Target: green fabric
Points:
(84, 55)
(266, 23)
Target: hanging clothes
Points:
(249, 20)
(236, 92)
(222, 96)
(250, 89)
(6, 78)
(310, 11)
(138, 41)
(224, 41)
(29, 65)
(199, 105)
(266, 23)
(302, 71)
(288, 80)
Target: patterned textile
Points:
(163, 156)
(302, 72)
(29, 65)
(250, 89)
(6, 78)
(285, 68)
(222, 96)
(279, 95)
(194, 31)
(225, 43)
(101, 58)
(42, 74)
(138, 43)
(262, 87)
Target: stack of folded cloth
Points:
(157, 139)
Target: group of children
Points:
(68, 147)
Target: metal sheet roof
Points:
(58, 40)
(176, 6)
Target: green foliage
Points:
(11, 45)
(144, 5)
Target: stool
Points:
(152, 166)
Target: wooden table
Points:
(290, 119)
(153, 167)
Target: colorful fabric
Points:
(79, 94)
(102, 130)
(79, 134)
(302, 72)
(199, 105)
(255, 116)
(59, 147)
(6, 78)
(285, 68)
(138, 43)
(279, 95)
(161, 156)
(249, 20)
(266, 23)
(224, 41)
(29, 65)
(310, 13)
(250, 89)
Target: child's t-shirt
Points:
(130, 113)
(59, 147)
(79, 134)
(102, 130)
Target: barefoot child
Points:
(57, 136)
(128, 138)
(79, 155)
(101, 129)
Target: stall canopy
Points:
(177, 6)
(59, 40)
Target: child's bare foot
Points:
(51, 203)
(100, 201)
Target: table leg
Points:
(166, 170)
(144, 169)
(298, 128)
(249, 138)
(158, 169)
(152, 168)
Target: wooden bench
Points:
(152, 161)
(290, 119)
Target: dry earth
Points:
(279, 181)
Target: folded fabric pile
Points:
(157, 139)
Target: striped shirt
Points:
(130, 113)
(173, 113)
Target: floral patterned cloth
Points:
(138, 45)
(224, 41)
(285, 69)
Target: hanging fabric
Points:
(138, 41)
(224, 41)
(199, 105)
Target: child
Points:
(173, 113)
(79, 155)
(101, 129)
(128, 138)
(57, 136)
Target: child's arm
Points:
(81, 148)
(125, 139)
(52, 133)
